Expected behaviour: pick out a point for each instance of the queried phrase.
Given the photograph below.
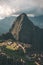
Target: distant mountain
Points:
(25, 31)
(37, 20)
(5, 24)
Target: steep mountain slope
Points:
(24, 30)
(21, 26)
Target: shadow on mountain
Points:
(25, 31)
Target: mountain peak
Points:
(24, 30)
(24, 14)
(21, 26)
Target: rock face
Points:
(24, 30)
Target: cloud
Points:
(9, 7)
(5, 11)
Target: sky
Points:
(15, 7)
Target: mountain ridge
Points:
(25, 31)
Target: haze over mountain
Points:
(5, 24)
(8, 21)
(37, 20)
(25, 31)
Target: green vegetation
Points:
(16, 57)
(16, 54)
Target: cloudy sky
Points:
(12, 7)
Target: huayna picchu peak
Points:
(21, 24)
(24, 30)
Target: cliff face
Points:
(24, 30)
(21, 27)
